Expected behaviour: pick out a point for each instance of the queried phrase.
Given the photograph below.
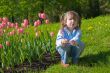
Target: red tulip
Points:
(1, 46)
(7, 43)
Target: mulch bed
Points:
(35, 65)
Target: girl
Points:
(68, 41)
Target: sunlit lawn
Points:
(96, 56)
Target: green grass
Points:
(96, 55)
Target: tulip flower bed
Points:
(25, 45)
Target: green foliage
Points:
(25, 46)
(17, 10)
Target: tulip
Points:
(46, 21)
(16, 25)
(12, 25)
(20, 30)
(1, 46)
(37, 23)
(8, 24)
(25, 23)
(5, 19)
(43, 16)
(51, 34)
(11, 33)
(0, 27)
(7, 43)
(3, 24)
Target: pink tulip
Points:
(43, 16)
(0, 26)
(1, 46)
(5, 19)
(37, 23)
(11, 33)
(12, 25)
(16, 25)
(51, 34)
(20, 30)
(8, 24)
(3, 24)
(46, 21)
(7, 43)
(25, 23)
(1, 30)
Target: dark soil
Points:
(35, 65)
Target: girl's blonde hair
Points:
(74, 15)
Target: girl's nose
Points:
(72, 20)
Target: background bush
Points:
(17, 10)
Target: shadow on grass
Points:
(95, 60)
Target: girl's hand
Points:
(64, 42)
(72, 42)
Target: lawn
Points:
(96, 55)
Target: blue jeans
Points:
(71, 51)
(64, 53)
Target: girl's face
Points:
(70, 23)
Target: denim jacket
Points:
(66, 34)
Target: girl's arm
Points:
(76, 39)
(60, 40)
